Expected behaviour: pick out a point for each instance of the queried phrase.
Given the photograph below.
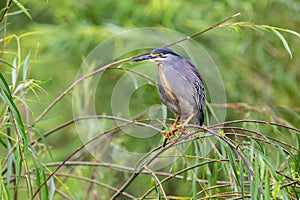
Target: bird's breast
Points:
(176, 91)
(163, 81)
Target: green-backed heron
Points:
(180, 87)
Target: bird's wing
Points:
(199, 93)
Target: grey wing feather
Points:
(199, 95)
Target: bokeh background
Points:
(255, 66)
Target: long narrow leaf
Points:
(52, 188)
(7, 98)
(10, 162)
(26, 66)
(23, 8)
(6, 62)
(14, 72)
(284, 42)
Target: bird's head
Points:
(157, 55)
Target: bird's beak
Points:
(147, 57)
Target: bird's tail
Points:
(198, 119)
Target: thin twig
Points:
(6, 10)
(260, 139)
(220, 125)
(205, 30)
(72, 121)
(241, 105)
(95, 182)
(75, 83)
(290, 183)
(214, 187)
(158, 182)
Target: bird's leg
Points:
(172, 131)
(176, 128)
(186, 122)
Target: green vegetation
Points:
(252, 154)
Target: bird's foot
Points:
(172, 131)
(181, 128)
(169, 134)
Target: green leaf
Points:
(52, 188)
(233, 166)
(23, 8)
(14, 72)
(276, 189)
(6, 62)
(26, 66)
(4, 85)
(267, 186)
(237, 29)
(242, 179)
(283, 40)
(7, 98)
(11, 159)
(23, 85)
(211, 110)
(15, 12)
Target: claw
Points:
(176, 128)
(169, 134)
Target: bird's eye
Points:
(161, 55)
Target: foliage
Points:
(253, 154)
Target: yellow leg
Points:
(176, 128)
(172, 131)
(176, 121)
(186, 122)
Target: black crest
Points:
(163, 51)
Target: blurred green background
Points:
(254, 65)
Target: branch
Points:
(255, 121)
(217, 25)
